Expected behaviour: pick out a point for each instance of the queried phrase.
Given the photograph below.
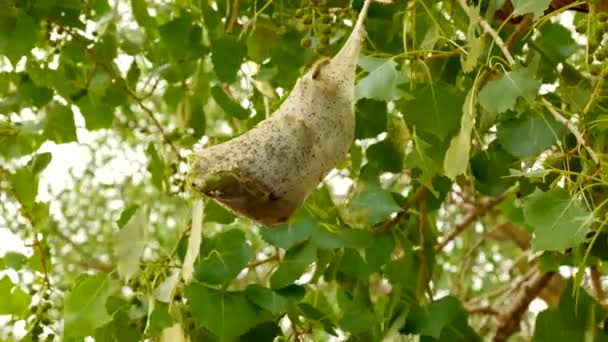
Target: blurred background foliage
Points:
(472, 204)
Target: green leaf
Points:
(314, 314)
(214, 212)
(435, 108)
(266, 299)
(227, 57)
(33, 94)
(97, 113)
(14, 301)
(223, 257)
(141, 15)
(21, 39)
(559, 221)
(403, 272)
(537, 7)
(230, 107)
(491, 170)
(298, 229)
(321, 206)
(85, 306)
(380, 250)
(371, 118)
(577, 318)
(528, 136)
(500, 95)
(179, 27)
(130, 243)
(456, 158)
(556, 40)
(356, 316)
(160, 318)
(226, 314)
(197, 120)
(107, 46)
(121, 328)
(133, 74)
(381, 83)
(426, 158)
(388, 154)
(352, 264)
(370, 203)
(25, 185)
(156, 167)
(476, 45)
(263, 332)
(324, 237)
(444, 319)
(14, 260)
(60, 126)
(126, 215)
(39, 162)
(293, 265)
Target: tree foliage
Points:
(477, 182)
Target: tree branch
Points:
(596, 283)
(482, 310)
(123, 85)
(489, 30)
(509, 322)
(234, 13)
(522, 28)
(254, 264)
(389, 224)
(28, 216)
(579, 137)
(473, 216)
(87, 259)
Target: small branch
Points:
(254, 264)
(442, 55)
(579, 137)
(38, 245)
(423, 274)
(488, 29)
(122, 84)
(87, 259)
(234, 13)
(389, 224)
(28, 216)
(509, 322)
(596, 283)
(483, 310)
(471, 218)
(522, 28)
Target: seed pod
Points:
(267, 172)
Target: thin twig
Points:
(254, 264)
(596, 283)
(483, 310)
(473, 216)
(579, 137)
(389, 224)
(123, 85)
(509, 322)
(234, 12)
(28, 216)
(522, 28)
(488, 29)
(90, 262)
